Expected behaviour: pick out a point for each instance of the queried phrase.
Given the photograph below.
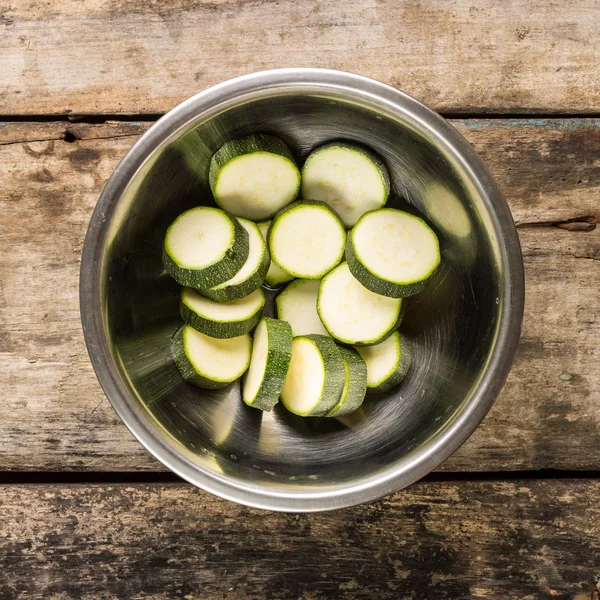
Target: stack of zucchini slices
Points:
(348, 262)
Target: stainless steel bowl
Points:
(465, 326)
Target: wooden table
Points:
(85, 512)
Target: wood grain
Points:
(54, 416)
(523, 539)
(117, 57)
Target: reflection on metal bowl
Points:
(464, 326)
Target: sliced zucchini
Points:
(355, 385)
(353, 314)
(349, 177)
(221, 319)
(392, 252)
(271, 355)
(252, 273)
(208, 362)
(254, 177)
(387, 362)
(275, 275)
(316, 376)
(204, 247)
(297, 304)
(307, 239)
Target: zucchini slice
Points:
(297, 304)
(271, 355)
(349, 177)
(306, 239)
(387, 363)
(221, 319)
(204, 247)
(252, 273)
(392, 252)
(355, 385)
(208, 362)
(353, 314)
(315, 379)
(254, 177)
(275, 275)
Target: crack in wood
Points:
(586, 223)
(61, 138)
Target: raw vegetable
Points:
(392, 252)
(343, 286)
(348, 177)
(207, 362)
(271, 355)
(275, 275)
(316, 376)
(204, 247)
(387, 362)
(252, 273)
(297, 304)
(221, 319)
(306, 239)
(355, 385)
(353, 314)
(254, 176)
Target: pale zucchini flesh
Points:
(315, 378)
(221, 319)
(208, 362)
(387, 362)
(252, 273)
(269, 364)
(353, 314)
(355, 384)
(348, 177)
(297, 304)
(307, 239)
(275, 275)
(204, 247)
(254, 177)
(392, 252)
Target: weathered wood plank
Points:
(522, 539)
(106, 56)
(55, 417)
(547, 168)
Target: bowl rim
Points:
(395, 477)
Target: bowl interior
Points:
(453, 323)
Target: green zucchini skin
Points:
(355, 386)
(250, 144)
(298, 205)
(393, 329)
(335, 375)
(406, 354)
(339, 336)
(360, 149)
(216, 273)
(374, 158)
(227, 293)
(257, 143)
(185, 367)
(377, 284)
(279, 354)
(275, 276)
(385, 336)
(374, 283)
(219, 329)
(293, 315)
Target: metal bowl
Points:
(465, 325)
